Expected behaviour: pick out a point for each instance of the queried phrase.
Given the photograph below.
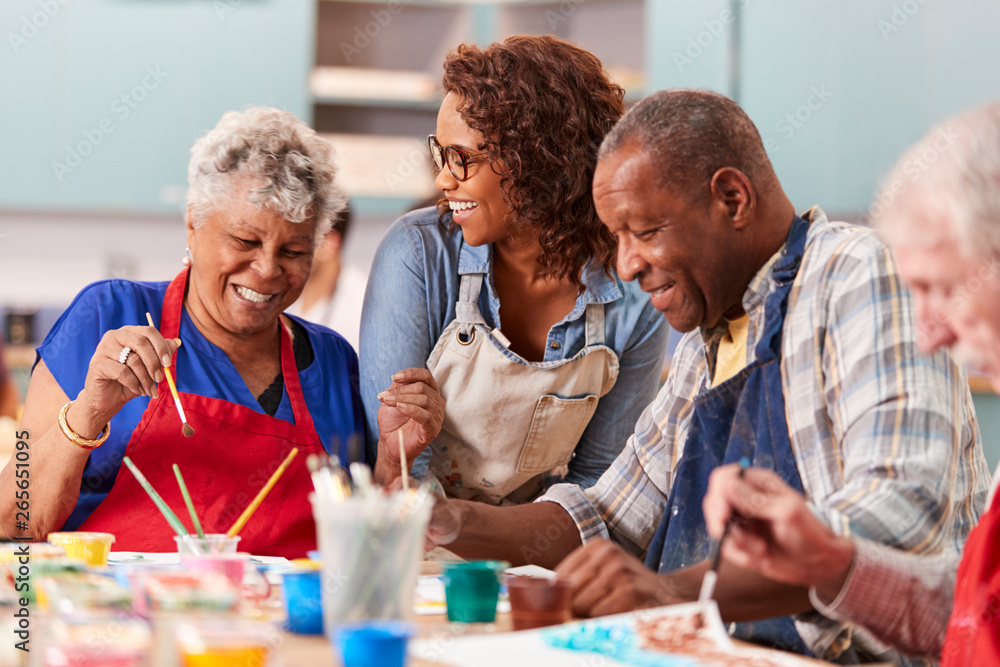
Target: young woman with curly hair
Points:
(503, 304)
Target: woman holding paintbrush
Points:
(252, 383)
(503, 300)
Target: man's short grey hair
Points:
(290, 168)
(947, 187)
(691, 134)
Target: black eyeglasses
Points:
(457, 158)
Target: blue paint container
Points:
(374, 643)
(303, 601)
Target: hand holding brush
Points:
(777, 534)
(186, 428)
(708, 582)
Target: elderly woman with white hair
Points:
(254, 383)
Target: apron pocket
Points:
(556, 427)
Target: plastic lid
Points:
(80, 537)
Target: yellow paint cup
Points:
(90, 548)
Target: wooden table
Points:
(316, 651)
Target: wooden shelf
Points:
(980, 384)
(380, 167)
(383, 103)
(459, 3)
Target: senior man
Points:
(800, 354)
(942, 221)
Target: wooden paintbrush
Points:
(404, 468)
(186, 428)
(708, 583)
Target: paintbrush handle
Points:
(248, 512)
(168, 514)
(403, 466)
(173, 388)
(708, 583)
(188, 501)
(170, 378)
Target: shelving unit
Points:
(375, 88)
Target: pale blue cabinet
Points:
(102, 99)
(837, 88)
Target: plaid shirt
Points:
(903, 599)
(885, 438)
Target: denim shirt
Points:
(410, 300)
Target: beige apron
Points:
(510, 423)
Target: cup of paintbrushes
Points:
(372, 548)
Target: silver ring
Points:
(123, 357)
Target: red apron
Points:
(230, 457)
(974, 627)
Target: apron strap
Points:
(595, 324)
(467, 307)
(173, 304)
(784, 272)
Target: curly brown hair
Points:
(543, 107)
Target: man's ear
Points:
(732, 190)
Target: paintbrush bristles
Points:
(187, 430)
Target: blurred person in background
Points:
(939, 212)
(335, 291)
(10, 397)
(254, 382)
(499, 313)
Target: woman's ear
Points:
(189, 224)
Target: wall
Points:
(837, 89)
(107, 96)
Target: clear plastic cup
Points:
(90, 548)
(212, 544)
(471, 590)
(232, 565)
(226, 642)
(96, 640)
(371, 548)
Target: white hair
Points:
(290, 167)
(947, 187)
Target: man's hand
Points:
(607, 580)
(774, 533)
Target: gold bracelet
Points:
(77, 439)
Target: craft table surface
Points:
(316, 651)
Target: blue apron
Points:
(743, 416)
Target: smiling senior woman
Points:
(254, 383)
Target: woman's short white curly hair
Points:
(290, 166)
